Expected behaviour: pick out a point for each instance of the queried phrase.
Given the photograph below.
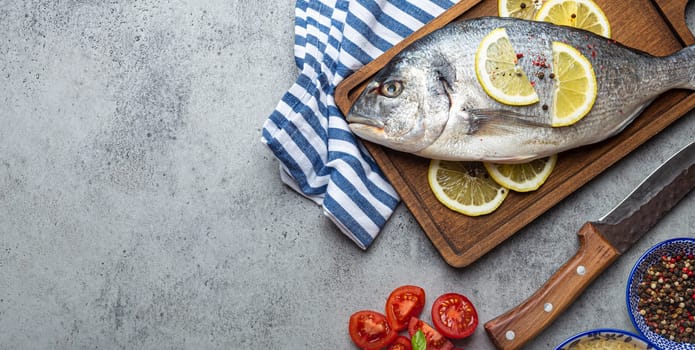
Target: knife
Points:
(600, 243)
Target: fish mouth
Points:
(354, 118)
(369, 129)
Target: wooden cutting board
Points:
(655, 26)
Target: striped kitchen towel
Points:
(319, 156)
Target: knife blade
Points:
(600, 243)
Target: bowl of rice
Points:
(605, 339)
(660, 294)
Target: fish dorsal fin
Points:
(494, 121)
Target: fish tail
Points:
(676, 71)
(686, 58)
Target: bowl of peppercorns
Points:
(661, 294)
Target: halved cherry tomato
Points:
(454, 316)
(370, 330)
(402, 304)
(401, 343)
(435, 341)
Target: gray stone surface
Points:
(139, 209)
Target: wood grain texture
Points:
(674, 12)
(519, 325)
(461, 240)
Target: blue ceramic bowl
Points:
(649, 258)
(596, 335)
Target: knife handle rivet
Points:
(581, 270)
(548, 307)
(510, 335)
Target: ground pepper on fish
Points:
(667, 297)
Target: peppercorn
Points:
(667, 297)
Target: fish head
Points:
(405, 106)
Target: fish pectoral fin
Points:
(494, 121)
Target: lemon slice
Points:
(498, 73)
(583, 14)
(465, 187)
(525, 9)
(575, 86)
(524, 177)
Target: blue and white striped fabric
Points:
(319, 156)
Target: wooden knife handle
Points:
(519, 325)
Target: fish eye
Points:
(391, 88)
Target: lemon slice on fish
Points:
(465, 187)
(583, 14)
(525, 9)
(498, 73)
(523, 177)
(575, 85)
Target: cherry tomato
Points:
(401, 343)
(435, 341)
(402, 304)
(454, 316)
(370, 330)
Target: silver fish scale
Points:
(619, 77)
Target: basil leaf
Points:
(418, 341)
